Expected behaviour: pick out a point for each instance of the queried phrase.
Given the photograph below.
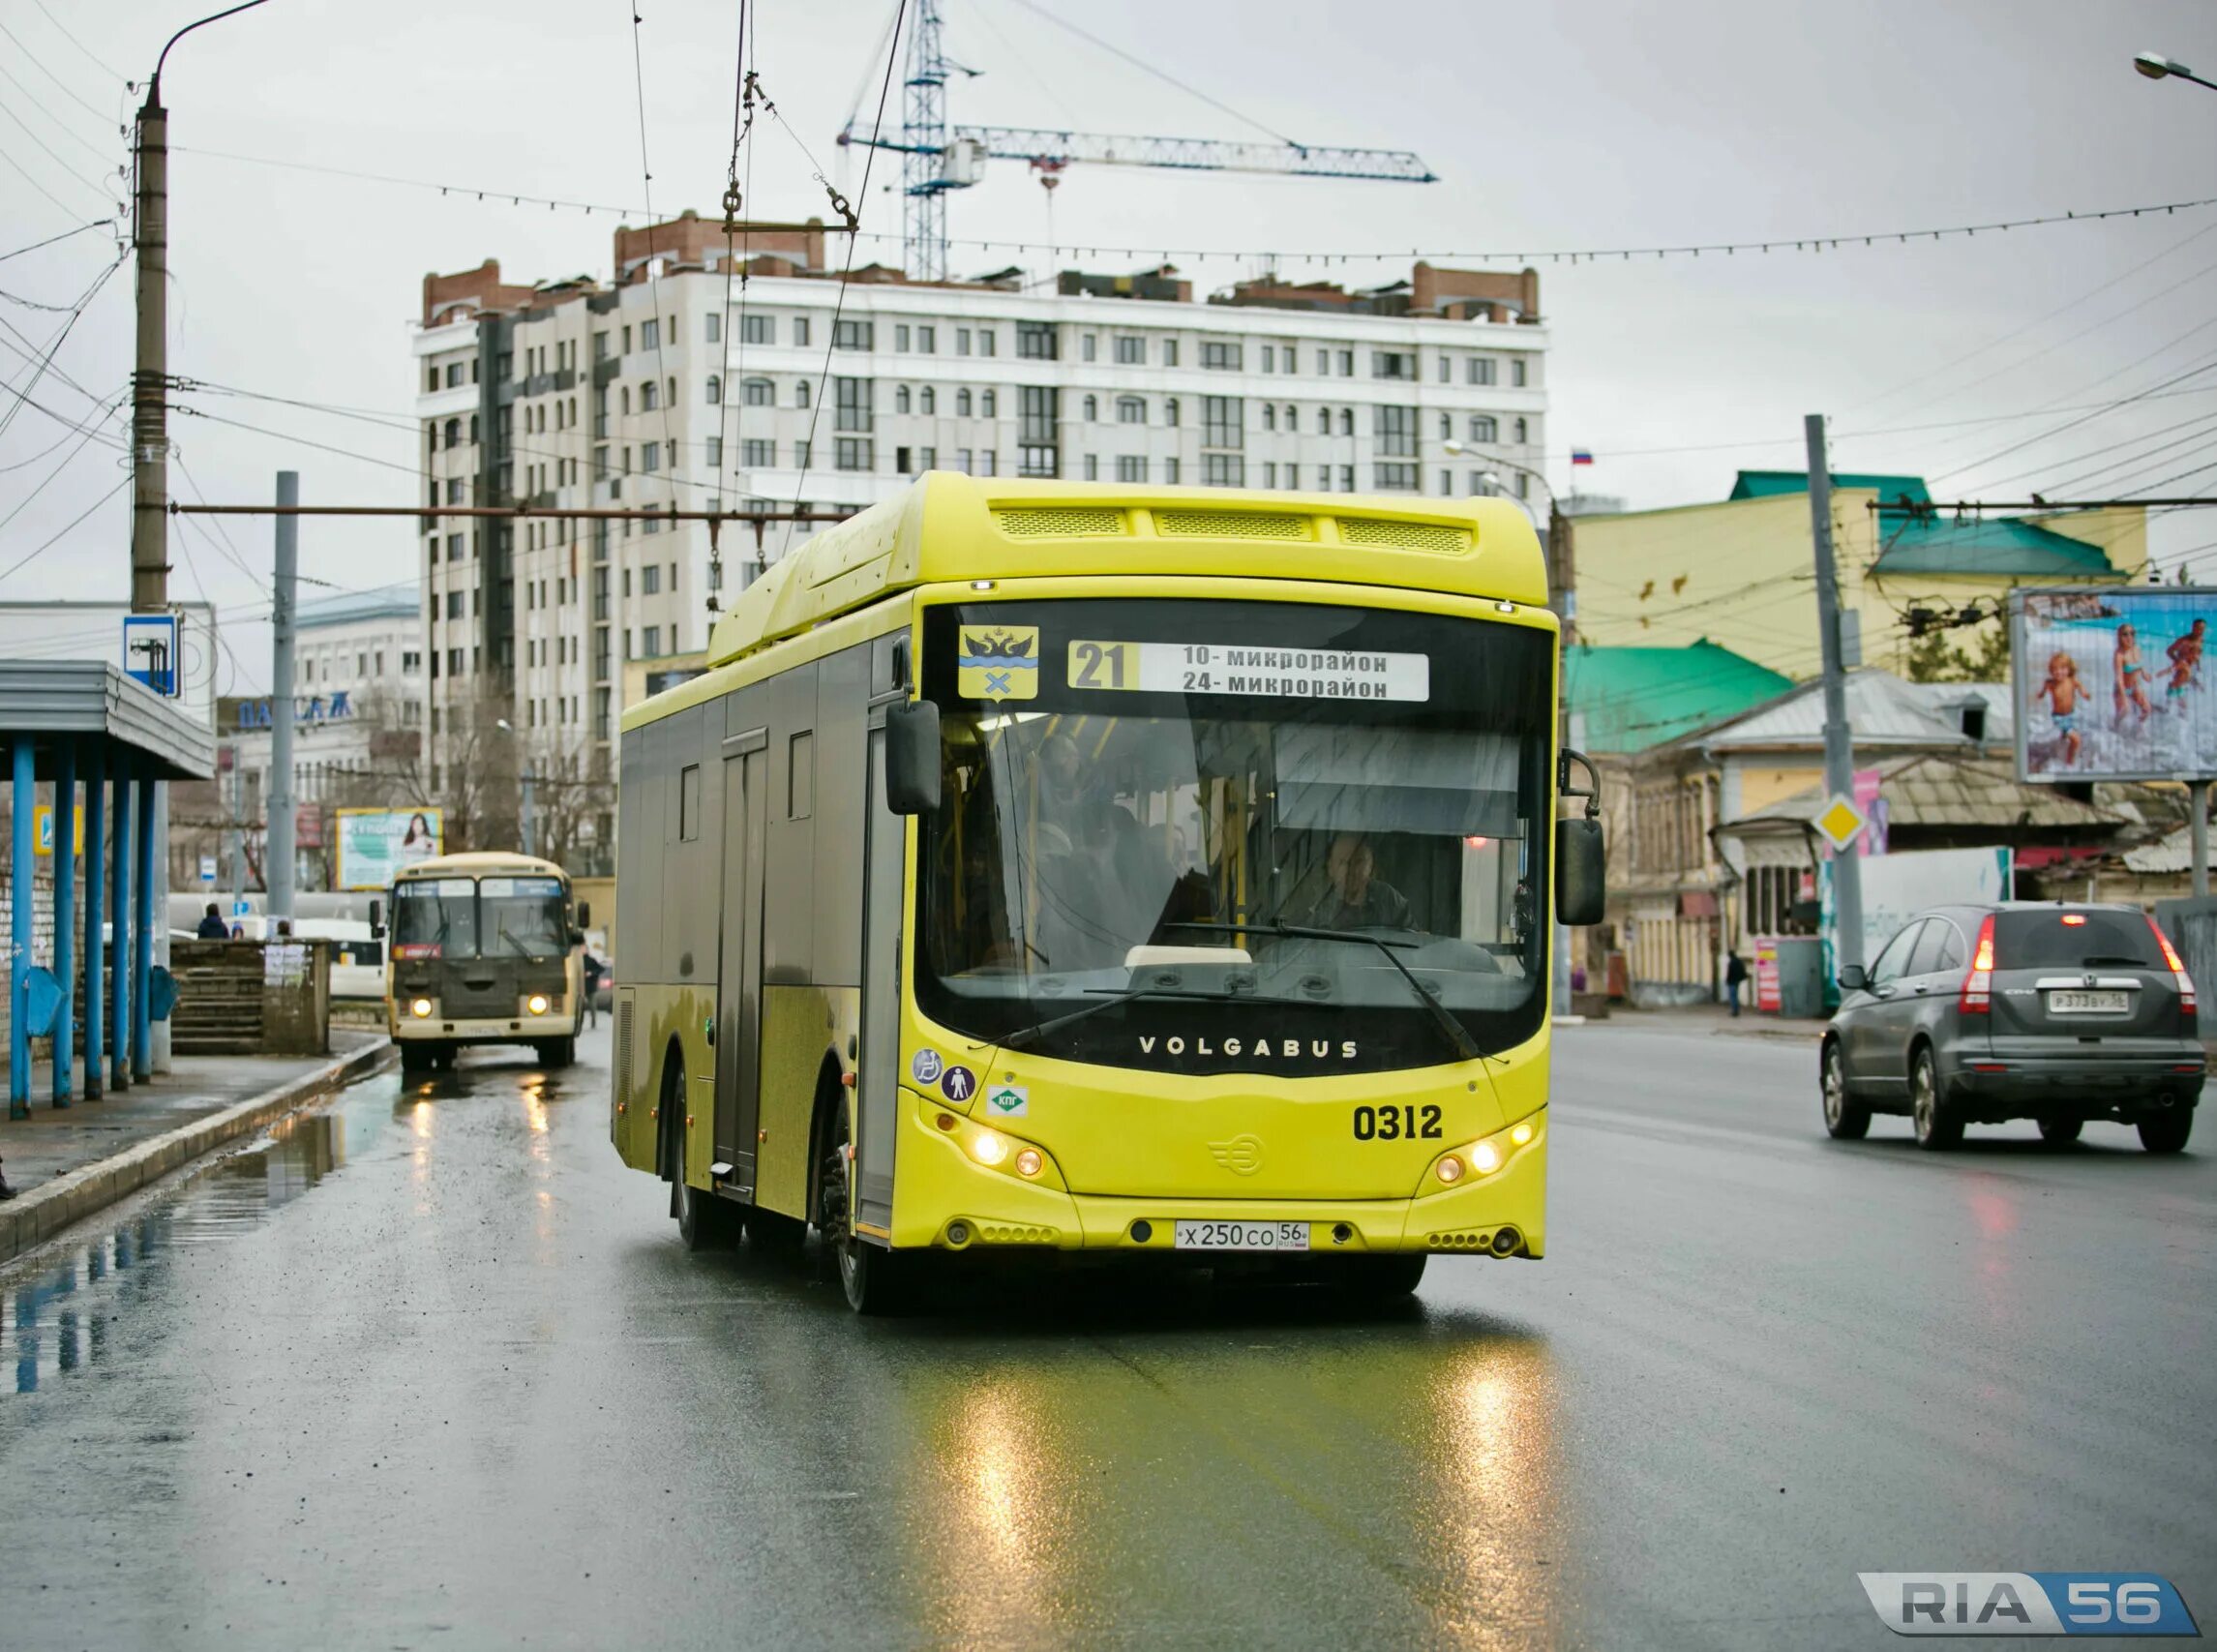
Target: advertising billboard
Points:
(2113, 684)
(374, 844)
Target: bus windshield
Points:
(468, 918)
(1245, 834)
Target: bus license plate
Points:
(2087, 1003)
(1242, 1236)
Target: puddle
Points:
(56, 1323)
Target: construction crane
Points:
(936, 161)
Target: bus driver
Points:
(1357, 900)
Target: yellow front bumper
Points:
(944, 1199)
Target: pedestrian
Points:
(212, 925)
(6, 1193)
(594, 971)
(1736, 977)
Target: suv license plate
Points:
(2088, 1003)
(1242, 1236)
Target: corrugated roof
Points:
(387, 602)
(1933, 790)
(1632, 698)
(1882, 711)
(1768, 484)
(1992, 545)
(90, 697)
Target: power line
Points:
(2072, 424)
(31, 557)
(96, 224)
(73, 211)
(1157, 71)
(839, 299)
(53, 154)
(104, 119)
(23, 395)
(74, 41)
(662, 324)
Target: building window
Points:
(1169, 353)
(1093, 467)
(1223, 470)
(1223, 421)
(454, 376)
(1347, 364)
(801, 332)
(1323, 363)
(1523, 433)
(650, 640)
(850, 453)
(988, 462)
(1518, 372)
(1446, 484)
(650, 335)
(800, 456)
(962, 341)
(1347, 421)
(1523, 486)
(1223, 356)
(1034, 459)
(758, 329)
(1477, 482)
(1089, 346)
(962, 405)
(650, 397)
(852, 400)
(1393, 364)
(1130, 467)
(800, 394)
(1040, 411)
(650, 458)
(853, 336)
(986, 344)
(1270, 475)
(1270, 358)
(1170, 471)
(1270, 416)
(900, 337)
(962, 461)
(1169, 411)
(650, 579)
(1447, 427)
(1293, 476)
(901, 398)
(1034, 340)
(1347, 478)
(1483, 429)
(986, 404)
(715, 452)
(1131, 410)
(713, 325)
(1480, 370)
(759, 454)
(1395, 429)
(927, 340)
(927, 459)
(1130, 351)
(1092, 409)
(1292, 419)
(928, 399)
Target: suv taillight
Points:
(1977, 996)
(2179, 976)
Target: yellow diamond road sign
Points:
(1842, 822)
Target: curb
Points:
(45, 1211)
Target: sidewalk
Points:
(1712, 1020)
(66, 1164)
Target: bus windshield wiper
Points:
(1024, 1036)
(1455, 1032)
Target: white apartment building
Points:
(680, 384)
(358, 705)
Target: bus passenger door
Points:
(878, 1097)
(739, 971)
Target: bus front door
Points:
(738, 972)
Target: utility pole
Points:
(279, 855)
(1839, 738)
(150, 376)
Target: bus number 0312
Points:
(1396, 1124)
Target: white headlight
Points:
(420, 1009)
(536, 1003)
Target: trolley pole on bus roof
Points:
(1839, 738)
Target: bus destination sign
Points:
(1238, 668)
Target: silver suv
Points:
(1977, 1015)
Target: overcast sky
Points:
(1552, 127)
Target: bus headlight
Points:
(1450, 1169)
(536, 1003)
(1486, 1158)
(1028, 1163)
(989, 1148)
(420, 1009)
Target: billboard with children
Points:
(2113, 684)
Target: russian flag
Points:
(1581, 456)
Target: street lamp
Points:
(1464, 450)
(523, 822)
(2156, 67)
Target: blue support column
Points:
(26, 799)
(142, 936)
(64, 915)
(96, 915)
(119, 923)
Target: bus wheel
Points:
(876, 1281)
(555, 1053)
(704, 1221)
(415, 1057)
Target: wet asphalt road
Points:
(432, 1370)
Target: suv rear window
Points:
(2072, 939)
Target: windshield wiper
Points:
(1457, 1033)
(1023, 1035)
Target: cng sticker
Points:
(1008, 1102)
(998, 662)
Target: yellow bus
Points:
(1072, 869)
(483, 951)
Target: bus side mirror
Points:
(911, 757)
(1580, 892)
(584, 914)
(376, 921)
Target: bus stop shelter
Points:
(107, 745)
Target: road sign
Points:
(241, 908)
(207, 868)
(1842, 822)
(150, 650)
(43, 830)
